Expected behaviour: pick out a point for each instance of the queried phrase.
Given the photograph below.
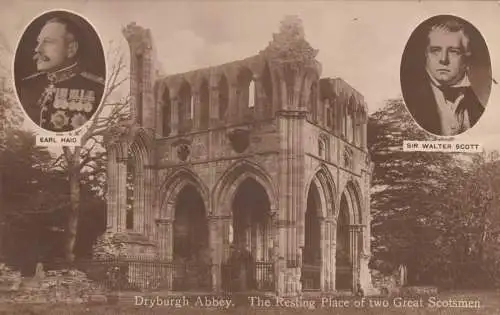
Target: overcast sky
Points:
(362, 42)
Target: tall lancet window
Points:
(204, 105)
(185, 107)
(251, 94)
(246, 89)
(166, 113)
(349, 126)
(191, 108)
(130, 183)
(223, 88)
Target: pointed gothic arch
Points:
(174, 184)
(227, 184)
(354, 199)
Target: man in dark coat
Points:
(61, 96)
(440, 97)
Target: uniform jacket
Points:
(63, 100)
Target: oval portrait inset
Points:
(446, 75)
(59, 71)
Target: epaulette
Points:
(33, 76)
(92, 77)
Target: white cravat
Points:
(452, 122)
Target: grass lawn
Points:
(489, 303)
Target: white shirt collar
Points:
(465, 82)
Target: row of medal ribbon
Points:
(74, 99)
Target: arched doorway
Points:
(311, 254)
(191, 253)
(249, 266)
(343, 259)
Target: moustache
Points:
(39, 56)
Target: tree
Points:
(86, 161)
(470, 223)
(10, 118)
(407, 189)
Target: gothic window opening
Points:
(251, 94)
(166, 113)
(185, 107)
(191, 108)
(350, 125)
(204, 105)
(323, 147)
(246, 89)
(191, 248)
(343, 252)
(311, 256)
(251, 238)
(268, 90)
(223, 88)
(130, 191)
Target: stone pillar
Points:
(138, 208)
(354, 234)
(222, 244)
(292, 183)
(233, 102)
(122, 194)
(112, 193)
(165, 242)
(215, 243)
(260, 97)
(164, 237)
(142, 74)
(149, 194)
(329, 255)
(214, 105)
(324, 249)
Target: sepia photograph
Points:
(250, 157)
(59, 71)
(446, 75)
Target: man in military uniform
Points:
(61, 96)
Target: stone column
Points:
(259, 109)
(354, 234)
(323, 247)
(291, 159)
(233, 103)
(165, 241)
(214, 105)
(215, 243)
(138, 208)
(149, 195)
(222, 246)
(112, 199)
(164, 237)
(329, 256)
(122, 194)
